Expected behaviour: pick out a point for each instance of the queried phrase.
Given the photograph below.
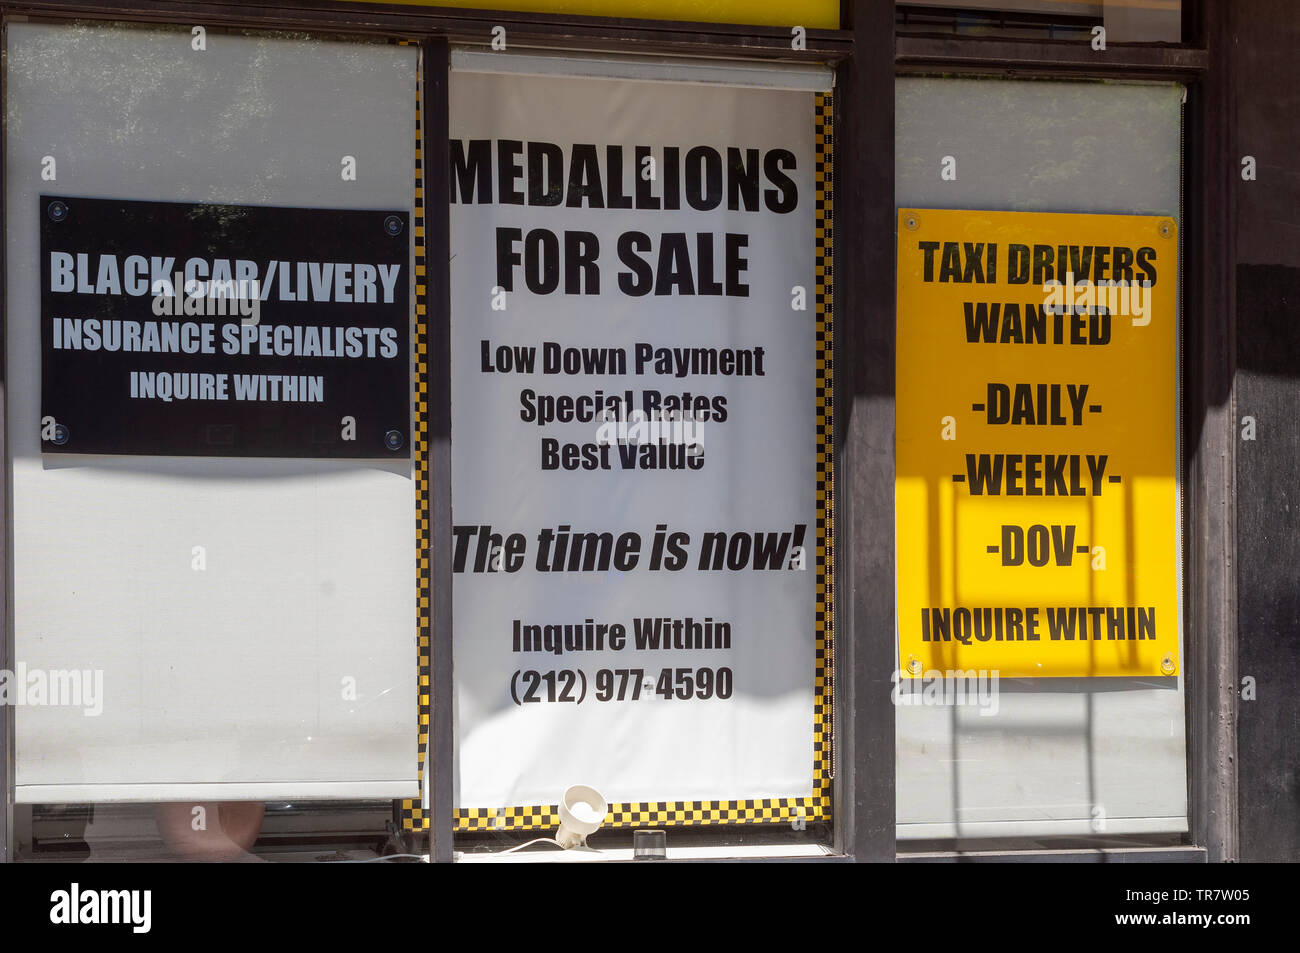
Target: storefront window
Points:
(209, 341)
(1040, 614)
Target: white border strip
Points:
(1048, 827)
(813, 79)
(214, 791)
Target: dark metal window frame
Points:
(866, 54)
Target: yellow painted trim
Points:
(810, 14)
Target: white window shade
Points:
(224, 683)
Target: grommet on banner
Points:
(1167, 664)
(393, 440)
(1165, 229)
(57, 211)
(393, 225)
(61, 435)
(914, 666)
(911, 221)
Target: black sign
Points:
(228, 330)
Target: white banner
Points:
(634, 423)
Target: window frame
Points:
(866, 53)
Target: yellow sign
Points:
(1037, 487)
(809, 14)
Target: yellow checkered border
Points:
(412, 816)
(759, 811)
(824, 666)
